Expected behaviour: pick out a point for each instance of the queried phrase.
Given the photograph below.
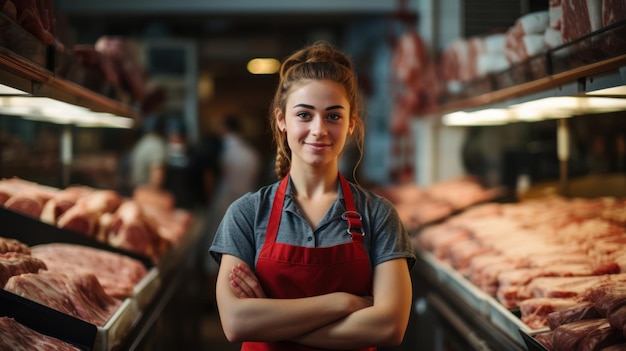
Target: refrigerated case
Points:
(36, 81)
(450, 313)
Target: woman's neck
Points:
(314, 182)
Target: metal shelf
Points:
(567, 70)
(40, 70)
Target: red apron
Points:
(288, 271)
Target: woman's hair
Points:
(319, 61)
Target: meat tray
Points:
(455, 282)
(48, 321)
(508, 322)
(117, 326)
(479, 301)
(31, 231)
(145, 290)
(531, 343)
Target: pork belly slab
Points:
(117, 273)
(78, 295)
(18, 337)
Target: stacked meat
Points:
(18, 337)
(597, 324)
(148, 228)
(83, 282)
(418, 206)
(540, 255)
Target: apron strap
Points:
(277, 210)
(355, 228)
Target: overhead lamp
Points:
(614, 91)
(486, 117)
(567, 106)
(54, 111)
(263, 66)
(537, 110)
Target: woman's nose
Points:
(318, 127)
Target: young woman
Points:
(313, 261)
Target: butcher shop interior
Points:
(497, 129)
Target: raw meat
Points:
(526, 37)
(609, 302)
(617, 347)
(117, 274)
(585, 310)
(78, 295)
(534, 311)
(555, 13)
(12, 245)
(84, 216)
(545, 340)
(25, 203)
(132, 230)
(58, 205)
(17, 337)
(617, 319)
(574, 335)
(580, 17)
(16, 263)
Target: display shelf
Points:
(40, 70)
(600, 52)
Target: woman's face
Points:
(317, 122)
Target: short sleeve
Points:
(235, 233)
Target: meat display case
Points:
(30, 69)
(136, 315)
(450, 313)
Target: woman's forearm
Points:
(263, 319)
(382, 324)
(251, 317)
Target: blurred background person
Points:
(239, 164)
(177, 174)
(148, 156)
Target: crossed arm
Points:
(336, 321)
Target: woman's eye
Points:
(303, 115)
(334, 117)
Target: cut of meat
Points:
(16, 263)
(617, 319)
(609, 302)
(78, 295)
(25, 203)
(602, 336)
(132, 230)
(573, 286)
(580, 17)
(570, 336)
(585, 310)
(117, 274)
(58, 205)
(534, 311)
(12, 245)
(555, 13)
(84, 216)
(17, 337)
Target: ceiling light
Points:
(54, 111)
(614, 91)
(263, 66)
(487, 117)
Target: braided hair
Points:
(319, 61)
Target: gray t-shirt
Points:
(242, 230)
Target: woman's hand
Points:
(244, 283)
